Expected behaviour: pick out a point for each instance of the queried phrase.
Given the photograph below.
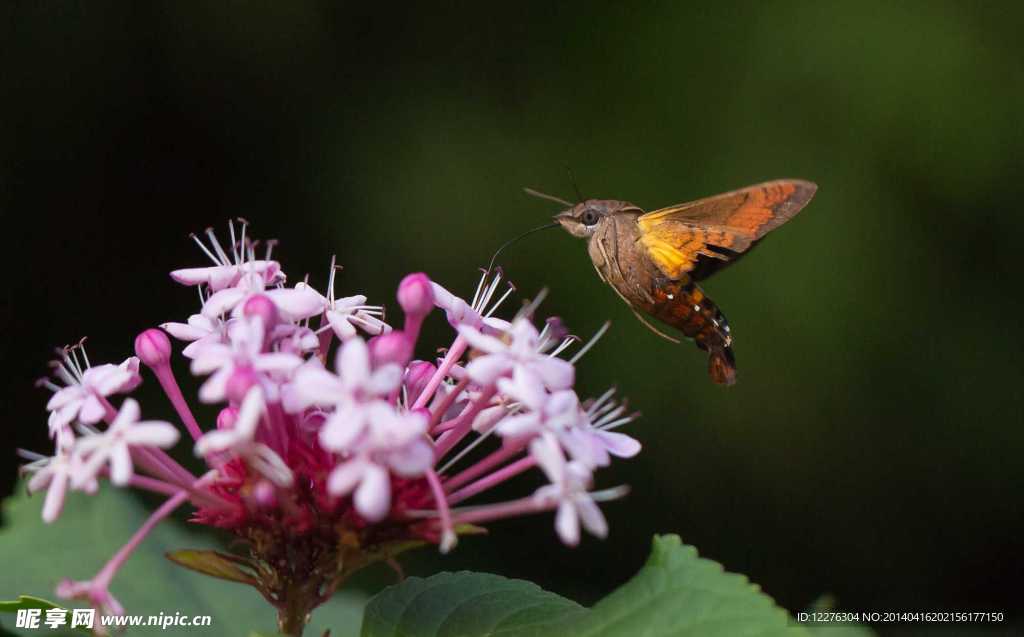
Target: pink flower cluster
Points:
(329, 425)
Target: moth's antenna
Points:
(541, 195)
(553, 224)
(575, 186)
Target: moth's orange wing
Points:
(719, 228)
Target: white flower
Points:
(293, 303)
(243, 351)
(521, 351)
(112, 446)
(478, 312)
(240, 439)
(55, 474)
(555, 412)
(200, 331)
(355, 389)
(592, 442)
(344, 315)
(82, 398)
(395, 443)
(569, 484)
(228, 270)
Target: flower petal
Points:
(567, 524)
(384, 380)
(554, 372)
(345, 477)
(353, 362)
(223, 301)
(619, 444)
(590, 514)
(343, 427)
(413, 459)
(373, 497)
(486, 369)
(341, 325)
(91, 411)
(120, 465)
(153, 433)
(297, 303)
(480, 341)
(54, 501)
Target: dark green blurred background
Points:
(872, 446)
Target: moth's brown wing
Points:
(700, 237)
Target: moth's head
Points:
(584, 219)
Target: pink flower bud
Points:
(239, 384)
(153, 347)
(263, 494)
(416, 295)
(556, 328)
(226, 418)
(416, 377)
(260, 305)
(393, 347)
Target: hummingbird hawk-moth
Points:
(654, 260)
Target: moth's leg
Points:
(654, 329)
(610, 264)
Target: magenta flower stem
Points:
(324, 339)
(154, 485)
(278, 434)
(443, 511)
(178, 473)
(513, 508)
(446, 403)
(170, 481)
(107, 573)
(155, 465)
(413, 323)
(455, 352)
(449, 439)
(170, 386)
(492, 480)
(492, 460)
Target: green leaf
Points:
(214, 564)
(26, 601)
(30, 601)
(35, 556)
(676, 593)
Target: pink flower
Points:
(113, 445)
(555, 412)
(240, 439)
(94, 593)
(199, 331)
(295, 303)
(568, 488)
(55, 474)
(522, 351)
(344, 315)
(244, 351)
(86, 387)
(395, 443)
(228, 270)
(592, 442)
(355, 388)
(478, 313)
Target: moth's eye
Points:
(589, 218)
